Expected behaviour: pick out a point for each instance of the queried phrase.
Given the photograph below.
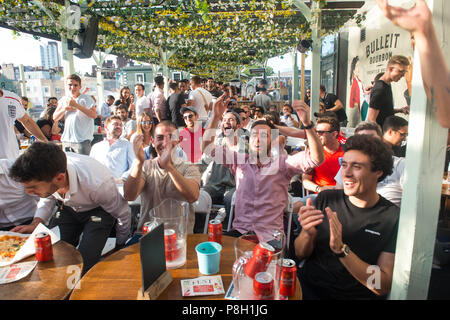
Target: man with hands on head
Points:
(163, 177)
(348, 239)
(261, 177)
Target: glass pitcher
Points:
(174, 215)
(257, 253)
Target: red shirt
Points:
(324, 174)
(191, 144)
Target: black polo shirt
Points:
(381, 99)
(329, 100)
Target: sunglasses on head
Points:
(146, 122)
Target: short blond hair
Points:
(398, 59)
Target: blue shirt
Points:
(118, 157)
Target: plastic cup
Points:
(208, 255)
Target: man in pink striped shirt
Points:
(262, 180)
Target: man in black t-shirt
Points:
(174, 103)
(381, 103)
(348, 239)
(332, 103)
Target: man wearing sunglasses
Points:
(191, 136)
(395, 131)
(381, 103)
(322, 177)
(113, 152)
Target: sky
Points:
(24, 49)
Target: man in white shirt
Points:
(113, 152)
(200, 99)
(79, 112)
(11, 109)
(85, 191)
(129, 125)
(16, 206)
(142, 102)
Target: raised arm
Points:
(135, 183)
(209, 136)
(32, 127)
(435, 73)
(315, 145)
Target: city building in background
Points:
(50, 57)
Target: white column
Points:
(23, 81)
(316, 57)
(295, 85)
(421, 195)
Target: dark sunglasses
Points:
(189, 116)
(319, 132)
(146, 122)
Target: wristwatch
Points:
(310, 126)
(317, 189)
(344, 251)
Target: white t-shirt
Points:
(78, 127)
(199, 102)
(11, 109)
(141, 104)
(288, 120)
(16, 206)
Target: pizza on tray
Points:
(10, 245)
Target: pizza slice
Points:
(10, 245)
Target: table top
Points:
(51, 280)
(118, 277)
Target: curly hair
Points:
(379, 153)
(42, 161)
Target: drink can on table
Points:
(170, 245)
(43, 245)
(149, 226)
(288, 278)
(263, 286)
(262, 253)
(215, 231)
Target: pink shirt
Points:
(191, 143)
(261, 193)
(158, 100)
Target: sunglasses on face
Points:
(146, 122)
(189, 116)
(319, 132)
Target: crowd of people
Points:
(200, 139)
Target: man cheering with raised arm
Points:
(348, 239)
(262, 180)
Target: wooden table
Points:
(118, 277)
(51, 280)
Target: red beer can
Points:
(262, 253)
(149, 226)
(170, 245)
(215, 231)
(263, 286)
(288, 278)
(43, 245)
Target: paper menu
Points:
(15, 272)
(28, 248)
(202, 286)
